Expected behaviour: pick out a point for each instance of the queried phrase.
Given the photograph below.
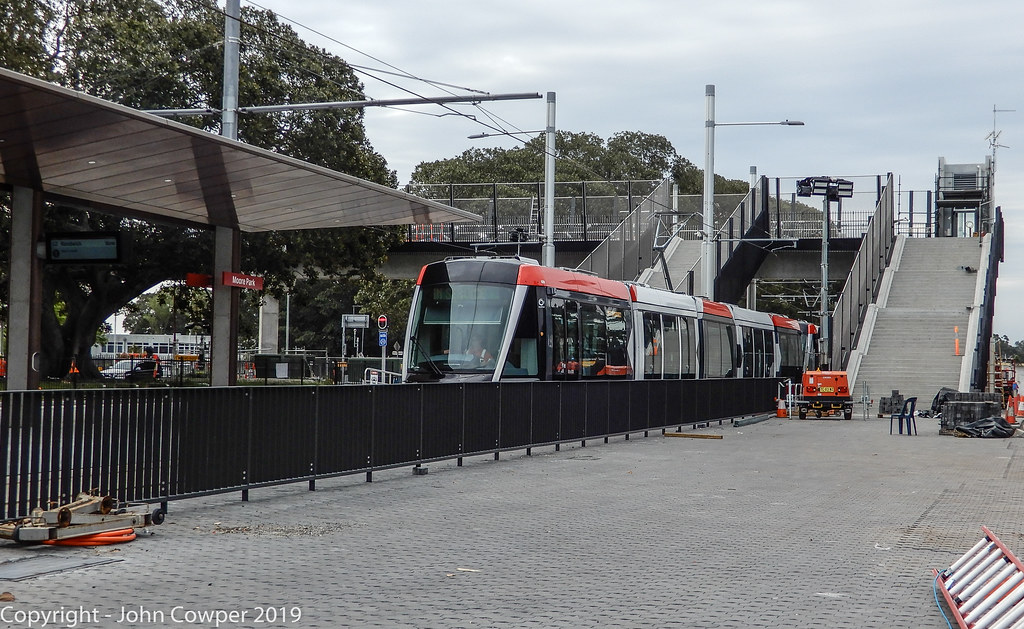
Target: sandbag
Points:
(944, 395)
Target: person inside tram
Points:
(479, 352)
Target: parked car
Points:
(133, 370)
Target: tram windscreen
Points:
(459, 327)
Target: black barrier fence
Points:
(155, 445)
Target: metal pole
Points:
(707, 275)
(229, 101)
(548, 253)
(824, 338)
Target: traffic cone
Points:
(781, 411)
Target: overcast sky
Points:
(882, 86)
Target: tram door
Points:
(565, 341)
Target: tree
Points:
(1008, 350)
(379, 295)
(173, 308)
(158, 54)
(627, 155)
(581, 157)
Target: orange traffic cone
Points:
(781, 411)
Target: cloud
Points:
(883, 86)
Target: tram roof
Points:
(90, 152)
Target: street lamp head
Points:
(831, 187)
(792, 123)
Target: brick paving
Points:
(784, 523)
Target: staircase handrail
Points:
(619, 256)
(984, 312)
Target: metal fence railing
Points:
(864, 279)
(584, 210)
(156, 445)
(627, 250)
(986, 312)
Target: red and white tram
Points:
(492, 319)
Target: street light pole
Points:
(832, 189)
(548, 248)
(707, 272)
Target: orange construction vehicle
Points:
(825, 393)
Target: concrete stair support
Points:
(911, 346)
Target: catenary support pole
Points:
(548, 253)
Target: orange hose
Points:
(96, 539)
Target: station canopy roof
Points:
(94, 153)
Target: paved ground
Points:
(783, 523)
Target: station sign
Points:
(355, 321)
(238, 280)
(199, 280)
(84, 247)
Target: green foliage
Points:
(627, 155)
(24, 27)
(1009, 350)
(171, 308)
(378, 295)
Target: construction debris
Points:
(87, 517)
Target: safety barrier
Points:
(160, 444)
(985, 588)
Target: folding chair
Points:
(905, 415)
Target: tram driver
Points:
(480, 354)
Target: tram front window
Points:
(459, 327)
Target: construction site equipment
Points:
(89, 516)
(890, 404)
(1004, 378)
(985, 588)
(965, 408)
(825, 393)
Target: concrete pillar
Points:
(224, 350)
(25, 290)
(270, 319)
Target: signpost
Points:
(382, 340)
(355, 322)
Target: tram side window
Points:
(593, 326)
(653, 353)
(719, 353)
(522, 360)
(791, 361)
(672, 355)
(617, 327)
(688, 351)
(767, 342)
(565, 357)
(748, 352)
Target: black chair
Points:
(905, 415)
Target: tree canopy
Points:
(156, 54)
(626, 155)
